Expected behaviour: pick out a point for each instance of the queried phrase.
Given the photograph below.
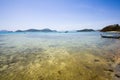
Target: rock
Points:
(117, 68)
(117, 74)
(96, 60)
(116, 78)
(3, 67)
(87, 67)
(41, 78)
(110, 69)
(59, 72)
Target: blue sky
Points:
(58, 14)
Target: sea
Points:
(56, 56)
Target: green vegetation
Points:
(115, 27)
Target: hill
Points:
(85, 30)
(115, 27)
(37, 30)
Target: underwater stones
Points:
(110, 57)
(54, 46)
(87, 67)
(96, 60)
(28, 51)
(59, 72)
(117, 74)
(117, 68)
(116, 78)
(40, 49)
(3, 67)
(110, 69)
(41, 78)
(33, 50)
(13, 61)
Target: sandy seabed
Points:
(58, 59)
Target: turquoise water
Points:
(55, 56)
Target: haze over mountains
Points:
(114, 27)
(47, 30)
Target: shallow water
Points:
(56, 56)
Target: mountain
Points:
(85, 30)
(19, 31)
(31, 30)
(37, 30)
(5, 31)
(47, 30)
(115, 27)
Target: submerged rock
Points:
(41, 78)
(96, 60)
(117, 68)
(117, 74)
(3, 67)
(109, 68)
(59, 72)
(87, 67)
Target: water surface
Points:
(56, 56)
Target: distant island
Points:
(49, 30)
(85, 30)
(37, 30)
(115, 27)
(5, 31)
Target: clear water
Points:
(55, 56)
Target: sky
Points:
(58, 14)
